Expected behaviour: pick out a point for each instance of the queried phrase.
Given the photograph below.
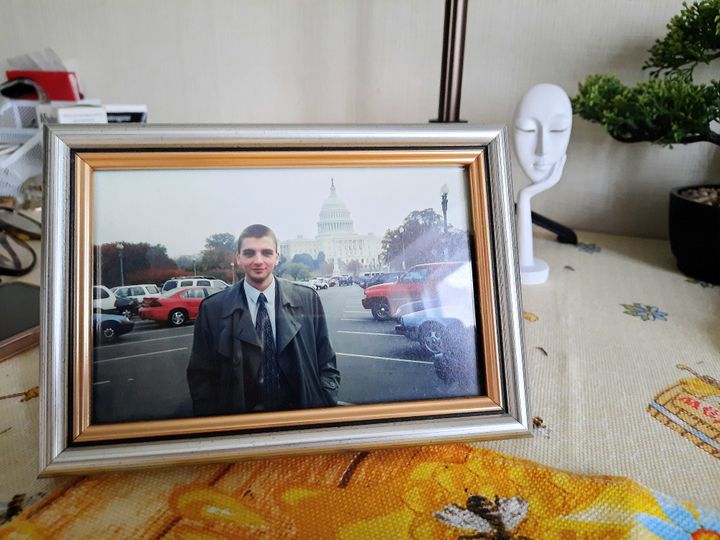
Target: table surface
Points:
(604, 339)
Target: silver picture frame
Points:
(69, 441)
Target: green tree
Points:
(353, 267)
(669, 108)
(401, 244)
(421, 239)
(224, 241)
(186, 262)
(306, 259)
(297, 271)
(693, 38)
(157, 257)
(219, 253)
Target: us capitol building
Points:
(336, 238)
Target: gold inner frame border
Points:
(86, 163)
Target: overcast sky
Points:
(181, 208)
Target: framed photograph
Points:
(222, 292)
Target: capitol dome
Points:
(334, 216)
(336, 239)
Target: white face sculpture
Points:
(541, 131)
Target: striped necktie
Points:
(270, 372)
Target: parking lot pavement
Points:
(376, 364)
(142, 376)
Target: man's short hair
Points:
(256, 231)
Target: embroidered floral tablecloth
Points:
(623, 359)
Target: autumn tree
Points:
(219, 253)
(297, 271)
(141, 263)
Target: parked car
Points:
(384, 277)
(138, 292)
(343, 281)
(319, 283)
(130, 297)
(448, 334)
(176, 306)
(103, 299)
(193, 281)
(419, 283)
(126, 307)
(109, 327)
(363, 278)
(417, 305)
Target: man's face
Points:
(257, 258)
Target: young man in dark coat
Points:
(262, 344)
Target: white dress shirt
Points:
(251, 293)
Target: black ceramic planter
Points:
(695, 236)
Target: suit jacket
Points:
(226, 354)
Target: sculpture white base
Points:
(535, 274)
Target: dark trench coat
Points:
(226, 354)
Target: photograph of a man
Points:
(375, 283)
(262, 344)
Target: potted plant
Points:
(670, 108)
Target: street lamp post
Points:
(194, 266)
(121, 255)
(444, 203)
(232, 266)
(402, 243)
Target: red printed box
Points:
(58, 85)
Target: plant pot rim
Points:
(694, 186)
(675, 192)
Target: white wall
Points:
(376, 61)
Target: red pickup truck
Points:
(419, 283)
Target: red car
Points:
(419, 283)
(176, 306)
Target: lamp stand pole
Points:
(451, 87)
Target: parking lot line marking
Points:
(136, 332)
(370, 333)
(385, 358)
(102, 382)
(125, 344)
(150, 324)
(356, 320)
(136, 355)
(364, 311)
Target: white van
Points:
(103, 299)
(138, 292)
(193, 281)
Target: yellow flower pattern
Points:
(435, 492)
